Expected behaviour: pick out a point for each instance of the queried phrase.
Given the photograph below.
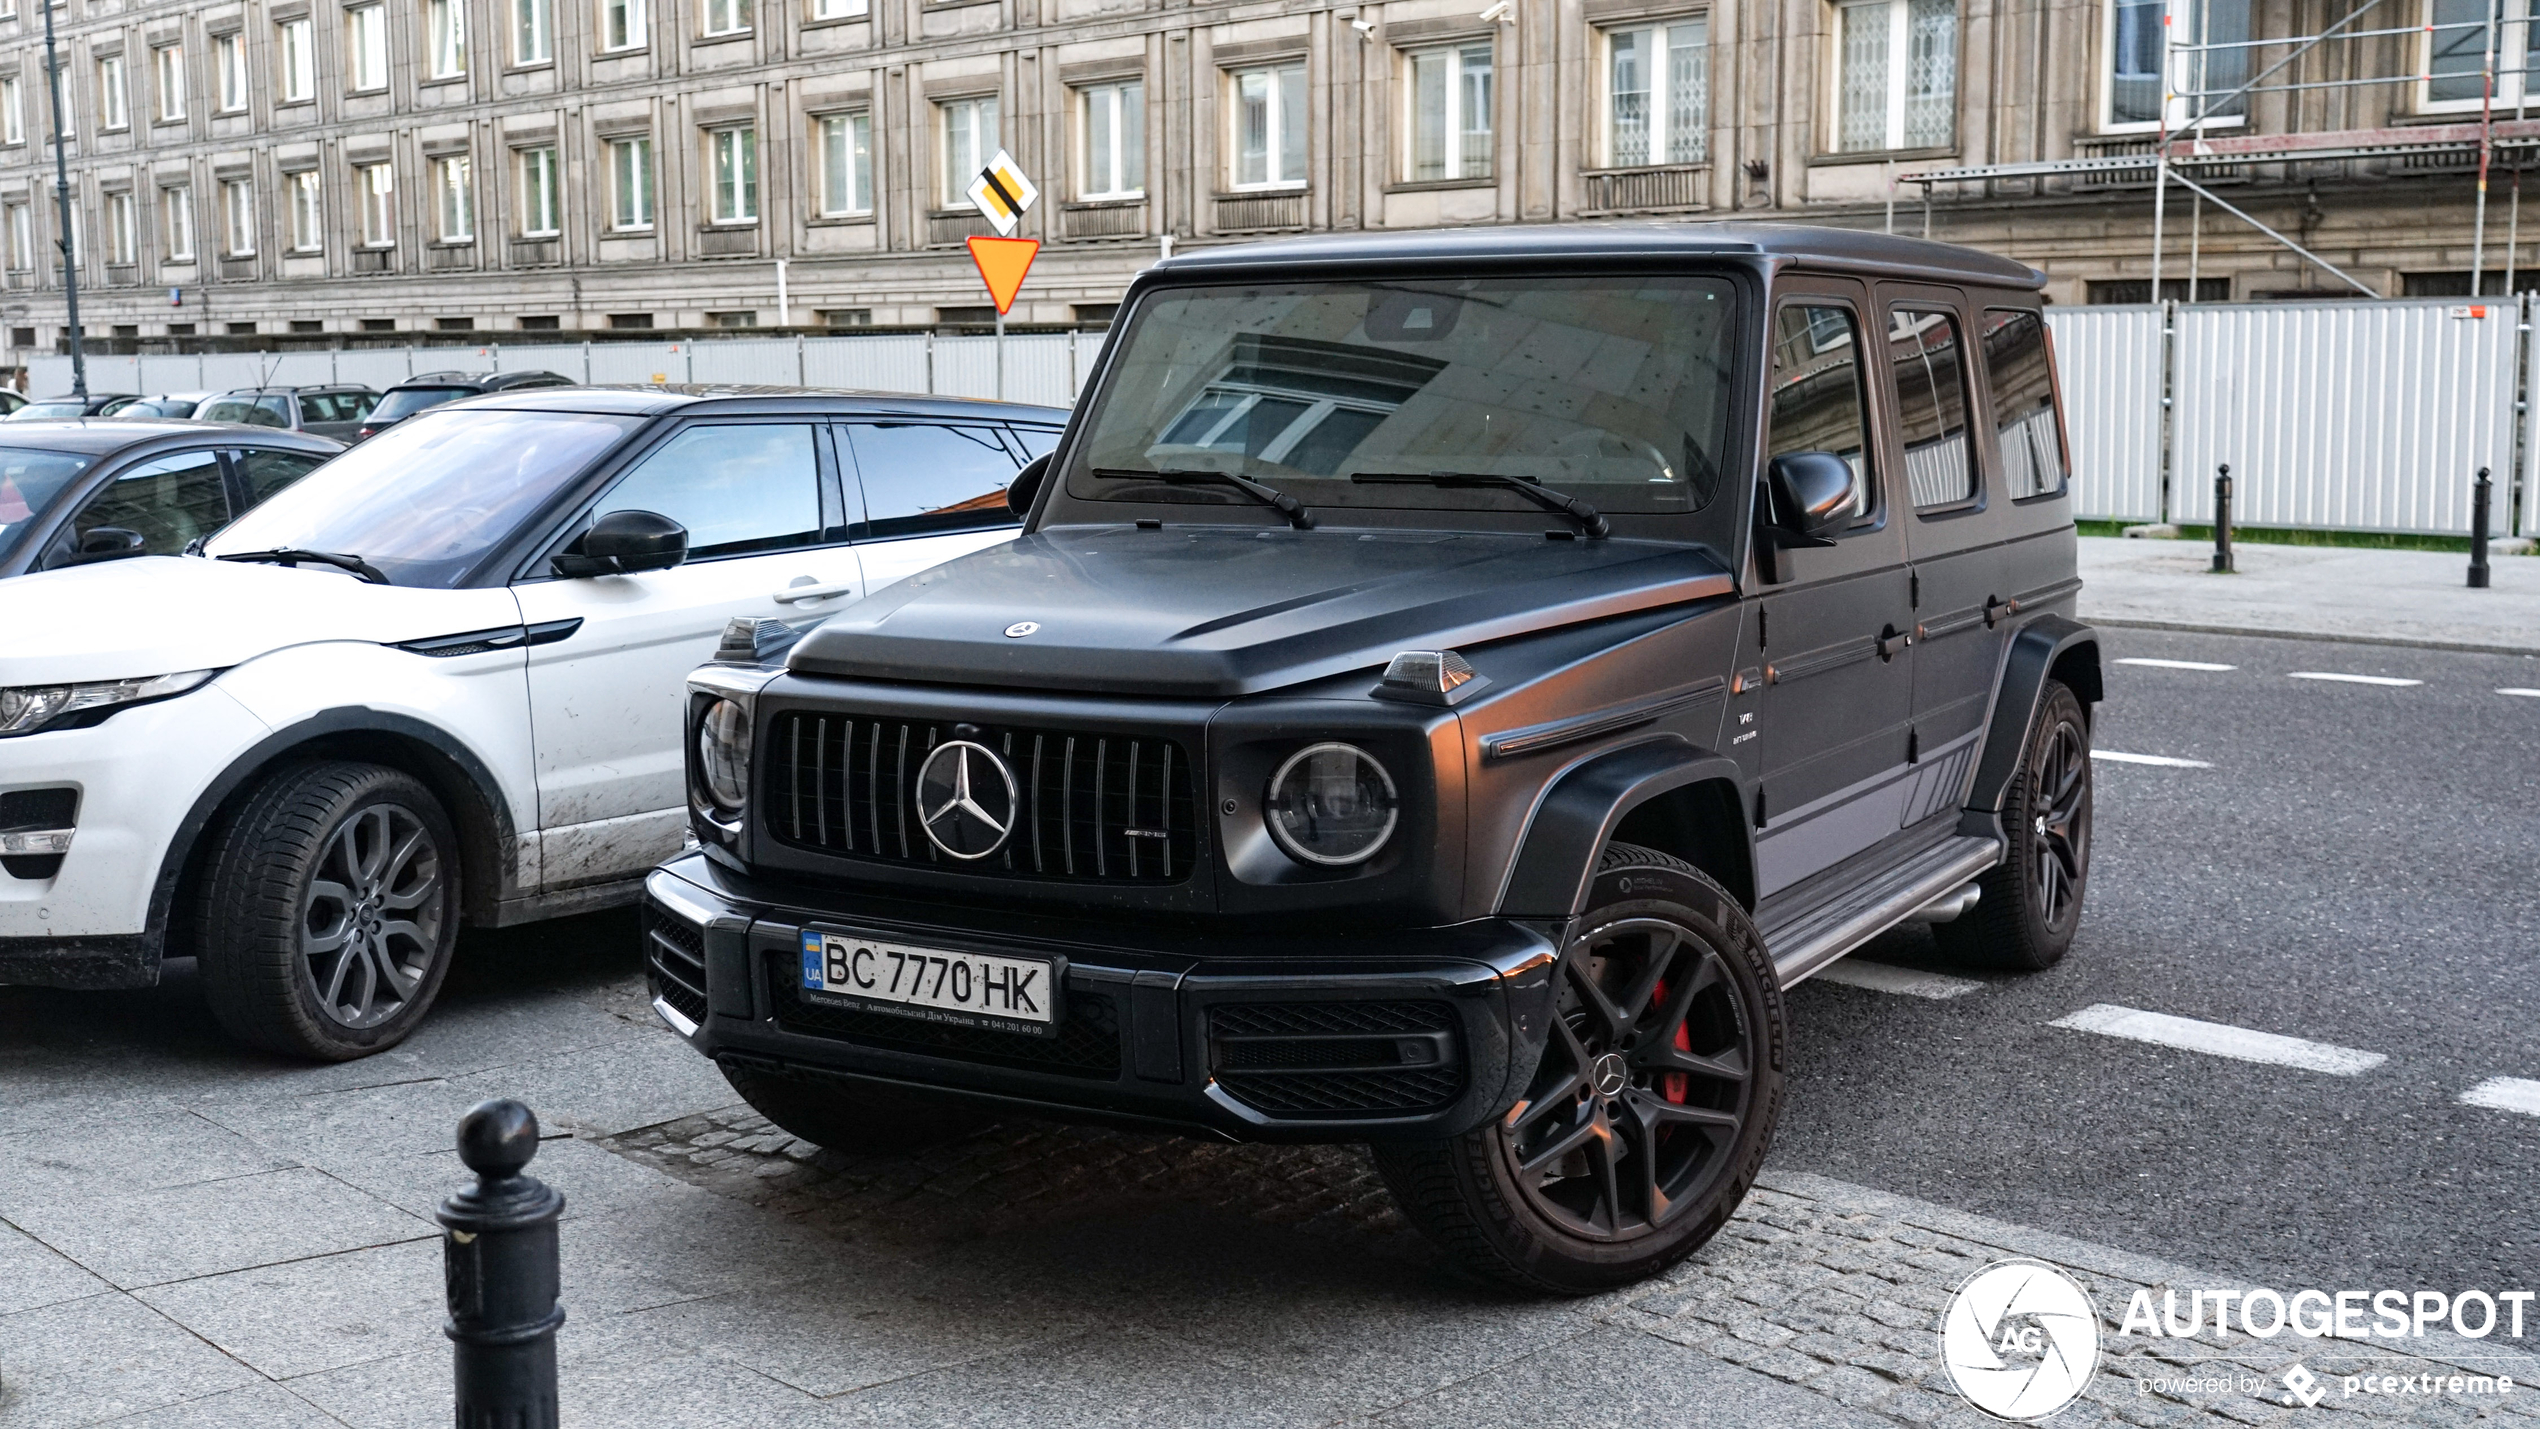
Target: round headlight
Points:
(723, 753)
(1332, 804)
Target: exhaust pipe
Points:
(1948, 907)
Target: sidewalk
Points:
(2416, 598)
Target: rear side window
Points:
(1928, 361)
(249, 411)
(920, 478)
(170, 501)
(1816, 403)
(2023, 382)
(738, 488)
(268, 472)
(335, 406)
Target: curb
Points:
(2182, 627)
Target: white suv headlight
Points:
(25, 709)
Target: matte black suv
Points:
(1447, 688)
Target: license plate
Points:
(976, 989)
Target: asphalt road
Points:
(2356, 868)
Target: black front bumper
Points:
(1397, 1034)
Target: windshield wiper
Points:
(1591, 523)
(291, 556)
(1262, 492)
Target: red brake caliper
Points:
(1672, 1085)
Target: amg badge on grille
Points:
(966, 799)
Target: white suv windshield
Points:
(426, 499)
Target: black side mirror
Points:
(101, 543)
(1811, 494)
(624, 542)
(1027, 485)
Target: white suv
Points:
(437, 683)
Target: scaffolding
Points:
(2188, 147)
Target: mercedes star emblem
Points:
(966, 800)
(1021, 628)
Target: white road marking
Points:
(2501, 1093)
(2175, 664)
(2350, 679)
(2530, 694)
(2162, 760)
(1883, 977)
(2220, 1039)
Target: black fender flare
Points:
(1556, 860)
(477, 888)
(2034, 652)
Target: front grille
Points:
(675, 959)
(1336, 1059)
(1101, 808)
(1087, 1042)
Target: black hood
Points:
(1220, 612)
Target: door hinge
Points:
(1913, 746)
(1914, 590)
(1762, 639)
(1759, 806)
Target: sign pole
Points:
(1000, 354)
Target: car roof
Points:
(103, 436)
(451, 378)
(293, 388)
(742, 400)
(1884, 254)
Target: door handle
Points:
(1892, 643)
(792, 593)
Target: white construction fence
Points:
(2340, 416)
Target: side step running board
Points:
(1816, 938)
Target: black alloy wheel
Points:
(1648, 1116)
(2029, 906)
(327, 910)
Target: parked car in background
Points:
(95, 404)
(330, 411)
(165, 404)
(10, 401)
(436, 683)
(74, 493)
(416, 394)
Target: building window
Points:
(123, 245)
(740, 319)
(1115, 130)
(308, 214)
(445, 38)
(538, 207)
(238, 217)
(299, 65)
(176, 223)
(626, 322)
(12, 112)
(846, 317)
(377, 185)
(1896, 80)
(1449, 99)
(1268, 114)
(727, 17)
(733, 166)
(2136, 39)
(838, 9)
(1658, 94)
(846, 165)
(111, 111)
(969, 138)
(21, 239)
(630, 184)
(229, 62)
(366, 34)
(167, 81)
(530, 31)
(454, 202)
(2454, 47)
(622, 25)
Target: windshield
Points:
(406, 401)
(159, 407)
(29, 480)
(424, 500)
(1611, 389)
(33, 411)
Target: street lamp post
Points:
(62, 197)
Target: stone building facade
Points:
(275, 167)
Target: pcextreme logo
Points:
(2020, 1339)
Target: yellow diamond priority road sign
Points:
(1003, 193)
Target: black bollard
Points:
(2222, 521)
(501, 1260)
(2481, 494)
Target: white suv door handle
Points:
(793, 593)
